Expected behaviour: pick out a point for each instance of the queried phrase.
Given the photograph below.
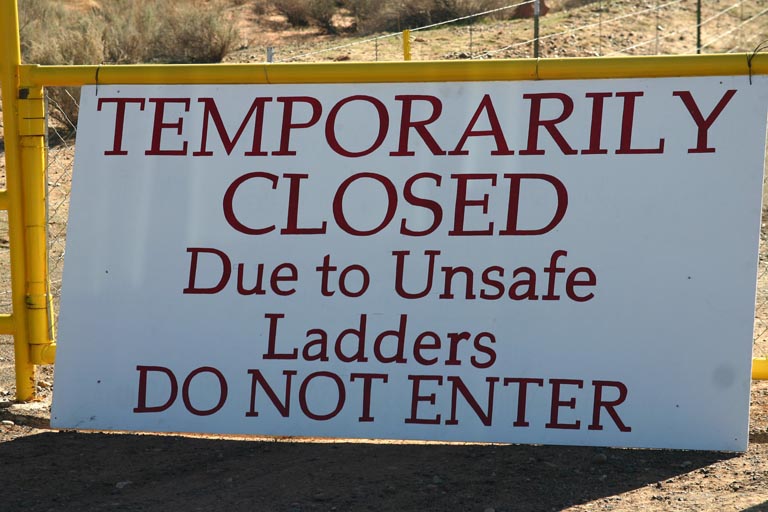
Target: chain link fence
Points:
(657, 27)
(760, 348)
(593, 28)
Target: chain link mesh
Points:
(59, 177)
(760, 347)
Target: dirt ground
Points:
(47, 470)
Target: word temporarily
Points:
(425, 393)
(395, 120)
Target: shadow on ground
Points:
(65, 471)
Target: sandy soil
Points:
(46, 470)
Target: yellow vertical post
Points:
(406, 44)
(32, 128)
(10, 60)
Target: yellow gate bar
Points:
(6, 324)
(43, 354)
(423, 71)
(3, 200)
(760, 368)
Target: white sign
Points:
(559, 262)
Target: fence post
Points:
(471, 49)
(658, 27)
(406, 44)
(10, 59)
(600, 28)
(536, 13)
(698, 26)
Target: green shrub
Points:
(196, 35)
(36, 16)
(322, 12)
(51, 35)
(164, 31)
(302, 13)
(129, 29)
(121, 32)
(296, 12)
(378, 15)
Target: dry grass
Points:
(370, 16)
(121, 32)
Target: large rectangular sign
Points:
(559, 262)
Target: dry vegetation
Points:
(369, 16)
(121, 32)
(125, 32)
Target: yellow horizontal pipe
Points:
(6, 324)
(424, 71)
(43, 354)
(277, 73)
(651, 66)
(760, 368)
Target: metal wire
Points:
(721, 13)
(584, 27)
(737, 27)
(472, 16)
